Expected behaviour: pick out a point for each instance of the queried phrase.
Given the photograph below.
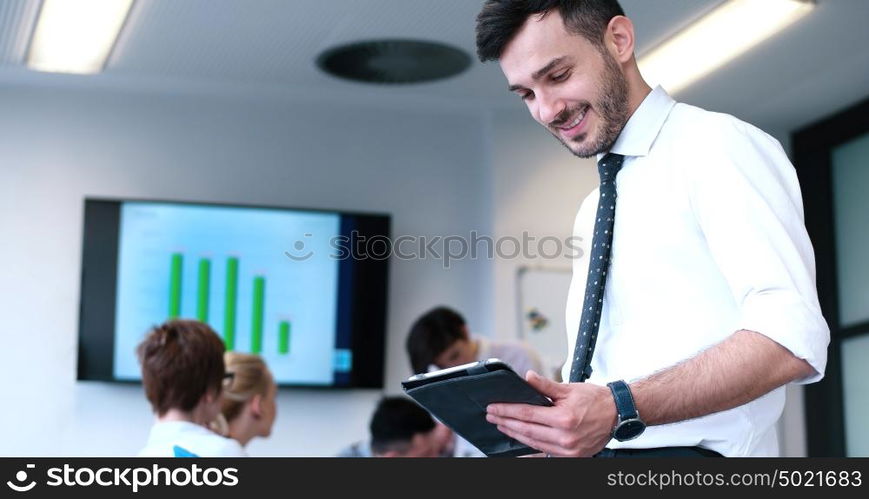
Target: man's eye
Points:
(526, 95)
(560, 76)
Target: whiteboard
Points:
(541, 302)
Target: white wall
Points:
(427, 168)
(538, 187)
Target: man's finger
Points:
(534, 444)
(546, 386)
(535, 431)
(547, 416)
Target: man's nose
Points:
(549, 107)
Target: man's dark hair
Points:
(181, 361)
(394, 423)
(499, 20)
(431, 335)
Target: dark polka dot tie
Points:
(598, 264)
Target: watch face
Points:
(629, 429)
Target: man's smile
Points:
(576, 125)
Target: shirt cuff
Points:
(786, 319)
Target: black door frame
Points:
(812, 149)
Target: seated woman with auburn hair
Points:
(183, 372)
(249, 393)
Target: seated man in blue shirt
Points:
(401, 428)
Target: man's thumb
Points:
(545, 386)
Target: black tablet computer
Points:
(458, 397)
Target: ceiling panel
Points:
(268, 47)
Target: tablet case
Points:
(460, 403)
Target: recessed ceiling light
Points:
(715, 39)
(76, 36)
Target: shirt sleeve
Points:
(746, 198)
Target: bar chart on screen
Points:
(228, 268)
(230, 303)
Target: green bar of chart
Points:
(256, 330)
(176, 266)
(203, 289)
(230, 301)
(284, 337)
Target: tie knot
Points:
(609, 166)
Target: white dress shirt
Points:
(190, 437)
(709, 239)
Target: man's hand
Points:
(578, 424)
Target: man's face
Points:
(424, 445)
(570, 87)
(421, 445)
(460, 352)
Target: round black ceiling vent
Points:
(394, 61)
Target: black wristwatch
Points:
(629, 426)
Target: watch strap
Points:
(625, 405)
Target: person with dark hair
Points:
(183, 374)
(401, 428)
(440, 339)
(697, 280)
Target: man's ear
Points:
(619, 38)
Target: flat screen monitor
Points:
(304, 289)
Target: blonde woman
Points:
(249, 393)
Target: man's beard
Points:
(611, 109)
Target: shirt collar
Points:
(639, 133)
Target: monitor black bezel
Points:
(365, 298)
